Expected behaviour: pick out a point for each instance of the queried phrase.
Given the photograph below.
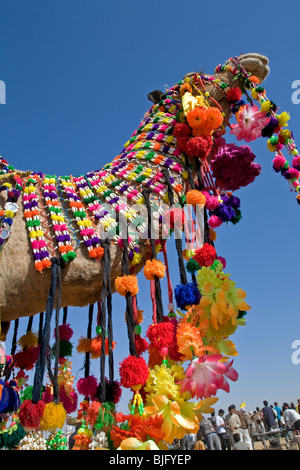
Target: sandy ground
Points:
(293, 445)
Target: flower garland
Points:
(59, 226)
(88, 234)
(36, 234)
(10, 208)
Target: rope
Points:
(158, 296)
(40, 366)
(14, 339)
(89, 335)
(54, 376)
(102, 314)
(129, 314)
(178, 241)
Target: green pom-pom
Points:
(192, 266)
(69, 256)
(65, 348)
(237, 217)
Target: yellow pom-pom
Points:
(30, 340)
(137, 258)
(283, 119)
(54, 417)
(266, 106)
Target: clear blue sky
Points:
(77, 75)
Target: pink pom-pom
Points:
(214, 221)
(279, 162)
(212, 202)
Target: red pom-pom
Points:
(162, 337)
(206, 255)
(198, 147)
(65, 332)
(141, 345)
(30, 413)
(234, 94)
(25, 360)
(133, 371)
(87, 386)
(182, 131)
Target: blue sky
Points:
(77, 76)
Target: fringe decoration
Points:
(158, 308)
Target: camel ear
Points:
(156, 96)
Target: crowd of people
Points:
(239, 430)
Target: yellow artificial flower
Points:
(225, 346)
(189, 102)
(178, 416)
(235, 297)
(205, 406)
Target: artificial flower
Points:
(206, 375)
(250, 124)
(233, 167)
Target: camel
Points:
(24, 289)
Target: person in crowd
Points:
(232, 422)
(238, 443)
(199, 445)
(279, 413)
(298, 405)
(212, 439)
(286, 431)
(291, 417)
(244, 428)
(221, 431)
(268, 417)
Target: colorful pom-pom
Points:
(154, 268)
(133, 371)
(127, 284)
(205, 255)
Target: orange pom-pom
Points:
(96, 253)
(254, 79)
(126, 284)
(195, 197)
(96, 345)
(154, 268)
(214, 118)
(84, 345)
(93, 412)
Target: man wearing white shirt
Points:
(292, 417)
(221, 431)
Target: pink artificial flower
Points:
(206, 375)
(250, 124)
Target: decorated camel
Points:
(42, 200)
(76, 240)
